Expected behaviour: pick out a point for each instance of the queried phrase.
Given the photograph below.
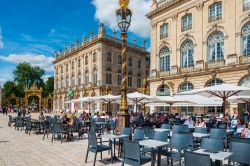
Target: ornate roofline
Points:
(163, 5)
(95, 40)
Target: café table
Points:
(113, 137)
(162, 130)
(39, 122)
(154, 144)
(219, 156)
(200, 135)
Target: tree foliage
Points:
(48, 87)
(8, 88)
(26, 75)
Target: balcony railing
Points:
(215, 18)
(215, 64)
(164, 73)
(244, 59)
(186, 70)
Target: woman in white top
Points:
(200, 123)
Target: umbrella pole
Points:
(224, 104)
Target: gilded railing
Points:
(244, 59)
(215, 64)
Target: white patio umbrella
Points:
(109, 99)
(240, 99)
(171, 100)
(139, 98)
(88, 100)
(223, 91)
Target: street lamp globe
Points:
(124, 18)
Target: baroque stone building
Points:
(93, 68)
(199, 43)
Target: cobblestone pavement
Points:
(20, 149)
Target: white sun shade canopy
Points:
(221, 91)
(190, 100)
(108, 98)
(239, 99)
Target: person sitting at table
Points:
(240, 127)
(64, 118)
(41, 116)
(246, 132)
(28, 115)
(189, 122)
(200, 123)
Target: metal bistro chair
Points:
(111, 125)
(166, 126)
(200, 130)
(19, 124)
(240, 140)
(124, 131)
(212, 145)
(11, 120)
(180, 128)
(161, 136)
(218, 133)
(179, 142)
(57, 129)
(95, 147)
(149, 132)
(196, 159)
(138, 135)
(132, 154)
(240, 152)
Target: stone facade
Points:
(198, 43)
(93, 67)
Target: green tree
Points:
(48, 87)
(8, 88)
(26, 75)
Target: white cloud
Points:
(140, 25)
(1, 38)
(35, 60)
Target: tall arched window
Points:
(79, 62)
(94, 57)
(67, 82)
(86, 60)
(95, 76)
(245, 81)
(163, 90)
(216, 46)
(214, 82)
(187, 86)
(187, 54)
(165, 59)
(245, 39)
(130, 79)
(79, 79)
(215, 11)
(72, 64)
(73, 81)
(139, 80)
(86, 77)
(119, 77)
(119, 60)
(109, 57)
(62, 83)
(108, 75)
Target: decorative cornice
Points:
(164, 6)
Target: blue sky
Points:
(31, 30)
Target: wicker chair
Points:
(240, 152)
(212, 145)
(138, 135)
(132, 154)
(97, 147)
(166, 126)
(195, 159)
(149, 132)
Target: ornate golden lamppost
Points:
(124, 15)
